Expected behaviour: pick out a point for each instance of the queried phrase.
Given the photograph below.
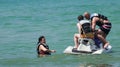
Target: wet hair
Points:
(40, 38)
(80, 17)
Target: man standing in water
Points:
(43, 48)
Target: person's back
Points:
(86, 30)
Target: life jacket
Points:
(41, 52)
(99, 16)
(86, 31)
(105, 27)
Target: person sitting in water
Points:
(104, 27)
(43, 48)
(85, 31)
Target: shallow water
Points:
(23, 21)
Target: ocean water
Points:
(23, 21)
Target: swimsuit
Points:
(106, 27)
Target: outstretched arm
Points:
(44, 49)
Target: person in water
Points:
(104, 27)
(43, 48)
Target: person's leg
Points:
(76, 37)
(102, 37)
(105, 43)
(99, 31)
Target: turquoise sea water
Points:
(23, 21)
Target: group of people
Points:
(93, 20)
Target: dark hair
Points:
(40, 38)
(80, 17)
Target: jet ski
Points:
(87, 46)
(88, 42)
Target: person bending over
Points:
(104, 27)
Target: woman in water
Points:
(43, 48)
